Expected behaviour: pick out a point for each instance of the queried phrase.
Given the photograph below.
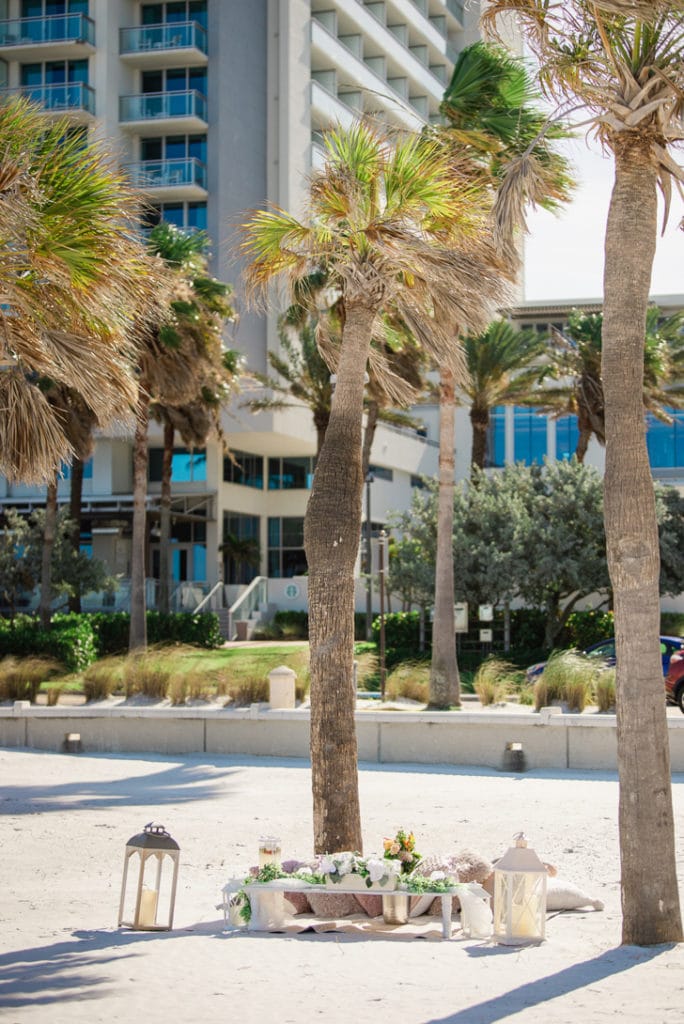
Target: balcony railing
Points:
(174, 36)
(152, 105)
(64, 97)
(57, 28)
(167, 173)
(456, 8)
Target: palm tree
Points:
(72, 278)
(502, 370)
(204, 311)
(573, 359)
(393, 222)
(180, 364)
(622, 61)
(489, 107)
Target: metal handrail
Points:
(217, 586)
(255, 594)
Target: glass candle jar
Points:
(269, 851)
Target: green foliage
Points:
(588, 627)
(70, 639)
(111, 630)
(401, 630)
(672, 623)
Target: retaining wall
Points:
(549, 739)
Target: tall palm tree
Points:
(622, 62)
(180, 363)
(491, 118)
(202, 315)
(393, 221)
(503, 367)
(573, 359)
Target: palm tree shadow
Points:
(66, 971)
(543, 990)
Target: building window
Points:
(55, 72)
(567, 436)
(188, 216)
(244, 468)
(186, 466)
(665, 441)
(174, 147)
(169, 13)
(496, 438)
(65, 471)
(286, 547)
(174, 80)
(290, 473)
(529, 436)
(418, 482)
(240, 547)
(381, 473)
(49, 8)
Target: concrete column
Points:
(281, 687)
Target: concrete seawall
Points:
(548, 739)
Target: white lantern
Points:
(519, 896)
(149, 905)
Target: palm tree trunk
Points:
(479, 420)
(75, 503)
(445, 684)
(165, 519)
(49, 531)
(332, 527)
(137, 637)
(650, 900)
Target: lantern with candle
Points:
(519, 896)
(148, 905)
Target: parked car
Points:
(604, 651)
(674, 680)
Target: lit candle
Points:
(148, 907)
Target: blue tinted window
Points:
(496, 441)
(186, 466)
(197, 216)
(567, 435)
(665, 441)
(529, 436)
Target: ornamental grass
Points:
(21, 678)
(490, 681)
(604, 689)
(567, 677)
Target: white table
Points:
(285, 885)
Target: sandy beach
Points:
(66, 819)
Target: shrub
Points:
(103, 678)
(410, 680)
(491, 680)
(293, 625)
(111, 630)
(70, 639)
(53, 694)
(248, 691)
(567, 677)
(402, 630)
(148, 673)
(672, 623)
(604, 689)
(21, 678)
(588, 627)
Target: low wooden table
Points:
(285, 885)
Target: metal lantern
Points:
(519, 896)
(150, 906)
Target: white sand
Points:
(64, 825)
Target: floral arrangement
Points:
(371, 869)
(402, 849)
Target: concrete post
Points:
(281, 687)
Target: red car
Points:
(674, 680)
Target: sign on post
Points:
(461, 617)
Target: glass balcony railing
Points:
(152, 105)
(65, 97)
(174, 36)
(167, 173)
(57, 28)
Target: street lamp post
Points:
(369, 559)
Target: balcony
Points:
(151, 46)
(73, 100)
(57, 37)
(170, 179)
(157, 113)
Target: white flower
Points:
(377, 868)
(345, 863)
(327, 865)
(437, 876)
(393, 868)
